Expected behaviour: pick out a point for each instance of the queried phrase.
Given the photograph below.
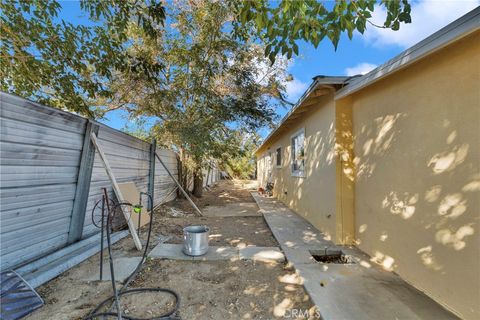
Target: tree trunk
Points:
(198, 183)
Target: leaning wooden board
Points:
(132, 195)
(117, 191)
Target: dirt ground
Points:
(207, 289)
(224, 193)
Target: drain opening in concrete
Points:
(331, 256)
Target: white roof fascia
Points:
(318, 80)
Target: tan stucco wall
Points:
(395, 167)
(417, 187)
(320, 168)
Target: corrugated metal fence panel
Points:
(210, 177)
(40, 157)
(129, 159)
(40, 154)
(214, 175)
(164, 185)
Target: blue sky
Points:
(375, 46)
(359, 55)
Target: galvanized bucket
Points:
(195, 240)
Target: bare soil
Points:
(223, 193)
(207, 289)
(228, 290)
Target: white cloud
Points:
(295, 89)
(361, 68)
(427, 18)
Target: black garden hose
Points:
(124, 291)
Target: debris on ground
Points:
(171, 211)
(174, 212)
(163, 238)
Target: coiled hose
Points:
(124, 290)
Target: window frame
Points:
(297, 172)
(278, 151)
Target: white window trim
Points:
(278, 166)
(297, 173)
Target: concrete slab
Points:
(242, 209)
(219, 253)
(169, 251)
(123, 267)
(299, 256)
(290, 230)
(174, 252)
(361, 290)
(355, 292)
(263, 254)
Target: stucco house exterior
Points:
(390, 162)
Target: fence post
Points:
(83, 185)
(151, 176)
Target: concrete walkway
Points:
(361, 290)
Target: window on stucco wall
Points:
(298, 153)
(278, 157)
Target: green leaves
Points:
(210, 82)
(397, 11)
(295, 48)
(55, 62)
(240, 160)
(292, 20)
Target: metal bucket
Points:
(195, 240)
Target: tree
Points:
(138, 128)
(241, 163)
(202, 76)
(49, 60)
(282, 24)
(52, 61)
(211, 83)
